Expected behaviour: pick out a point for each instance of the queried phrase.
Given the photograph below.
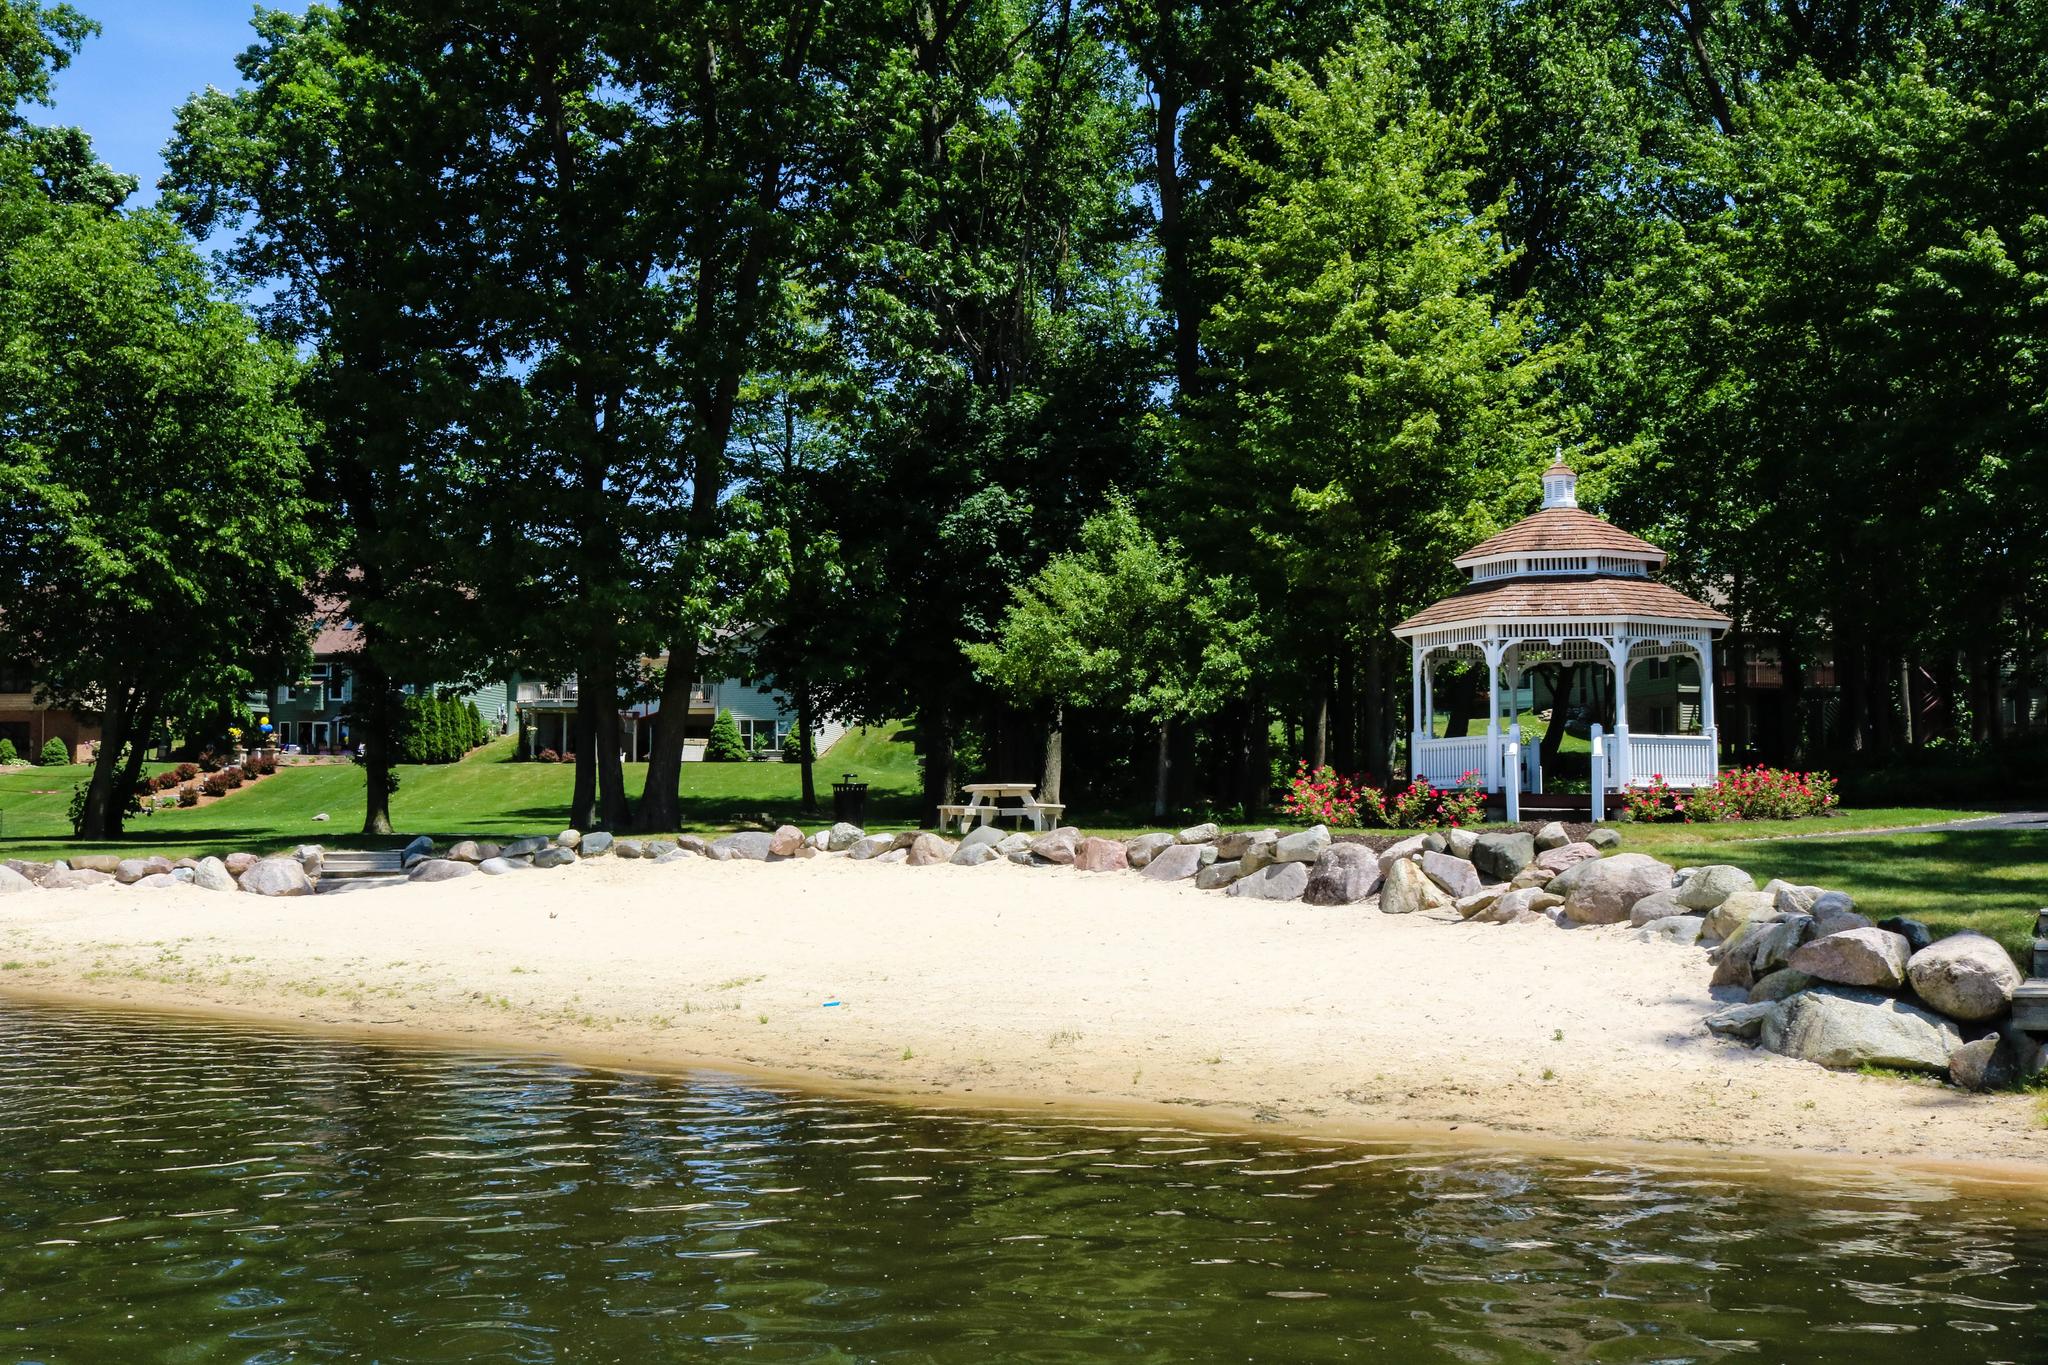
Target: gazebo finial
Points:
(1560, 485)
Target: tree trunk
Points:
(805, 757)
(660, 807)
(1561, 679)
(1344, 720)
(376, 710)
(101, 818)
(614, 810)
(1319, 723)
(583, 797)
(1161, 769)
(935, 739)
(1049, 773)
(1258, 752)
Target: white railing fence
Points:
(1681, 760)
(1444, 762)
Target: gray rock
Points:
(657, 848)
(132, 870)
(1408, 891)
(420, 846)
(1709, 886)
(1518, 905)
(442, 870)
(1604, 839)
(786, 841)
(99, 862)
(1603, 892)
(1740, 1021)
(871, 846)
(1010, 845)
(752, 846)
(1457, 877)
(84, 878)
(1916, 934)
(1845, 1029)
(1843, 922)
(1656, 905)
(1564, 856)
(1057, 846)
(1499, 856)
(211, 874)
(497, 867)
(1551, 836)
(1145, 847)
(1280, 882)
(928, 849)
(895, 855)
(1178, 862)
(1345, 875)
(1260, 853)
(1399, 851)
(31, 872)
(1434, 842)
(156, 881)
(468, 851)
(981, 834)
(1791, 898)
(1986, 1064)
(677, 855)
(522, 848)
(1458, 843)
(1101, 855)
(1480, 901)
(1735, 911)
(413, 860)
(974, 855)
(595, 844)
(1218, 875)
(1966, 976)
(1770, 944)
(310, 857)
(629, 848)
(1857, 957)
(1198, 834)
(1305, 847)
(1680, 930)
(184, 876)
(556, 856)
(569, 838)
(694, 844)
(1231, 847)
(843, 836)
(277, 877)
(1781, 985)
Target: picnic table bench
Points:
(983, 806)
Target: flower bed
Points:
(1321, 796)
(1741, 794)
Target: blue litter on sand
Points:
(828, 1004)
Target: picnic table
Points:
(983, 805)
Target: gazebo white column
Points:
(1492, 647)
(1707, 725)
(1618, 650)
(1418, 729)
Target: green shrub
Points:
(793, 746)
(726, 745)
(56, 753)
(7, 753)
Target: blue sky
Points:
(149, 56)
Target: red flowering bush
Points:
(1741, 794)
(1422, 806)
(1321, 797)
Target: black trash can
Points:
(850, 801)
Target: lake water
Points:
(180, 1193)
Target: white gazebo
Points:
(1561, 586)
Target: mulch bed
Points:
(1379, 843)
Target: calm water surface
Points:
(176, 1192)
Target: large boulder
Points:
(1013, 845)
(157, 881)
(1145, 847)
(1760, 948)
(1681, 931)
(1345, 875)
(1916, 934)
(1966, 976)
(1259, 852)
(569, 838)
(1178, 862)
(1399, 851)
(524, 848)
(1059, 845)
(1305, 847)
(498, 867)
(843, 836)
(1198, 834)
(974, 855)
(442, 870)
(211, 874)
(750, 846)
(108, 863)
(1480, 901)
(1499, 856)
(1552, 836)
(1456, 876)
(277, 877)
(1708, 886)
(1604, 892)
(1218, 875)
(1556, 860)
(1518, 905)
(1739, 1021)
(929, 849)
(1857, 957)
(1780, 985)
(1734, 912)
(870, 846)
(468, 851)
(421, 847)
(1656, 905)
(133, 870)
(1792, 898)
(1408, 891)
(1604, 839)
(1279, 882)
(785, 841)
(12, 882)
(1230, 847)
(632, 849)
(555, 856)
(1986, 1064)
(1458, 842)
(595, 844)
(1846, 1029)
(982, 834)
(1100, 855)
(83, 878)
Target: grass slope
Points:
(487, 795)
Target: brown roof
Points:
(333, 631)
(1561, 528)
(1559, 468)
(1562, 596)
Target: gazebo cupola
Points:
(1564, 586)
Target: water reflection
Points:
(200, 1193)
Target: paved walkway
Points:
(2018, 819)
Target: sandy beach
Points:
(1004, 984)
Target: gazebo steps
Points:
(1545, 806)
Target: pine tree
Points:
(726, 745)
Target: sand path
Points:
(1005, 983)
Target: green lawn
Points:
(487, 795)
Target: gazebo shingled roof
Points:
(1561, 528)
(1588, 596)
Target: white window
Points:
(763, 734)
